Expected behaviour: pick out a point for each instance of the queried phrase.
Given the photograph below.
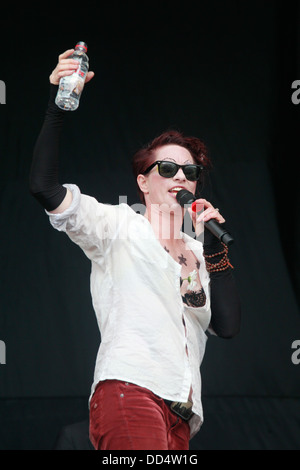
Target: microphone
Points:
(185, 197)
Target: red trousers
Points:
(124, 416)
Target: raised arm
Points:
(44, 174)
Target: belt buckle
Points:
(184, 410)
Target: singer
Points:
(157, 292)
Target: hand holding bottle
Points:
(66, 66)
(71, 74)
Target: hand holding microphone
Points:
(186, 198)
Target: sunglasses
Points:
(169, 169)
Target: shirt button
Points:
(122, 395)
(126, 383)
(95, 405)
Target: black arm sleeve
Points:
(225, 301)
(43, 180)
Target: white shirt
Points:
(135, 288)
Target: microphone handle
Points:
(212, 225)
(218, 231)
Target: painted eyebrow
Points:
(172, 159)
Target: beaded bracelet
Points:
(221, 265)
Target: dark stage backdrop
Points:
(222, 71)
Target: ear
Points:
(142, 181)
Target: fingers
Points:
(65, 54)
(89, 76)
(66, 66)
(208, 212)
(203, 202)
(211, 213)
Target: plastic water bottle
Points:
(71, 86)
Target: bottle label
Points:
(72, 85)
(81, 73)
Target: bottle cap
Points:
(81, 44)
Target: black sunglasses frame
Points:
(176, 167)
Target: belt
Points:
(184, 410)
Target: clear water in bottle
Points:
(71, 86)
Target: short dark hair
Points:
(144, 157)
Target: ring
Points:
(217, 209)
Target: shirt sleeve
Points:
(88, 223)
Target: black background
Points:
(221, 71)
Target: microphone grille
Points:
(185, 197)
